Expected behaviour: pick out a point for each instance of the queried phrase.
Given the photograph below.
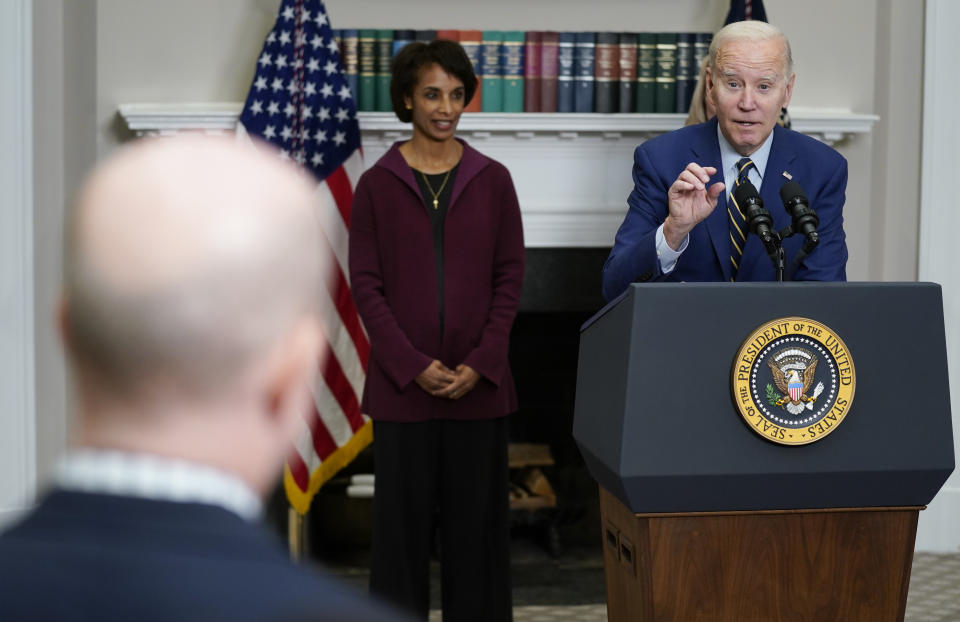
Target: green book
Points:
(367, 87)
(384, 62)
(667, 72)
(491, 72)
(513, 44)
(646, 100)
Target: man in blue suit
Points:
(676, 231)
(189, 317)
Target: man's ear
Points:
(61, 323)
(292, 374)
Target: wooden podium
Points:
(705, 520)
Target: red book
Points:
(471, 41)
(549, 48)
(606, 72)
(449, 35)
(531, 71)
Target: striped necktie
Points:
(738, 225)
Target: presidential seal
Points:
(793, 381)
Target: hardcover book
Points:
(492, 71)
(351, 61)
(549, 42)
(448, 34)
(686, 71)
(583, 71)
(384, 62)
(367, 96)
(531, 71)
(512, 52)
(646, 95)
(471, 40)
(565, 71)
(628, 71)
(402, 38)
(606, 72)
(666, 72)
(425, 35)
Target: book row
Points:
(543, 71)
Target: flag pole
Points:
(295, 534)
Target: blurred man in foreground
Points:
(188, 317)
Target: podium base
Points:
(800, 565)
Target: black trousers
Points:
(458, 471)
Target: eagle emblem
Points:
(794, 370)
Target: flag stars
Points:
(307, 112)
(301, 39)
(320, 136)
(344, 92)
(330, 67)
(342, 115)
(287, 13)
(285, 37)
(260, 84)
(289, 110)
(277, 84)
(273, 108)
(286, 132)
(300, 158)
(265, 60)
(313, 65)
(281, 61)
(326, 90)
(339, 138)
(324, 113)
(269, 132)
(271, 37)
(292, 88)
(317, 159)
(332, 46)
(321, 18)
(256, 107)
(304, 14)
(316, 42)
(310, 89)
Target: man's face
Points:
(748, 86)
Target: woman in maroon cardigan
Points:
(436, 267)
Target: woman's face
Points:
(436, 103)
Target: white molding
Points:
(571, 171)
(17, 385)
(827, 124)
(939, 222)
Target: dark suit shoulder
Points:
(807, 147)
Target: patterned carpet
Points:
(934, 596)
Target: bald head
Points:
(187, 258)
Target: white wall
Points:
(17, 410)
(939, 527)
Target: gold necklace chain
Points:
(436, 195)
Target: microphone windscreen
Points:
(792, 190)
(744, 192)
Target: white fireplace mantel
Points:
(571, 171)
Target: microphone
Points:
(758, 219)
(805, 220)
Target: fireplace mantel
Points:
(572, 171)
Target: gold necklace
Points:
(436, 195)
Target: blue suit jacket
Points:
(82, 556)
(820, 171)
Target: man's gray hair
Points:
(752, 30)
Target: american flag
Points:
(300, 102)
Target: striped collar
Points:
(114, 472)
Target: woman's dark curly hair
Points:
(417, 55)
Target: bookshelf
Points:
(571, 171)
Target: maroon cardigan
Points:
(393, 278)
